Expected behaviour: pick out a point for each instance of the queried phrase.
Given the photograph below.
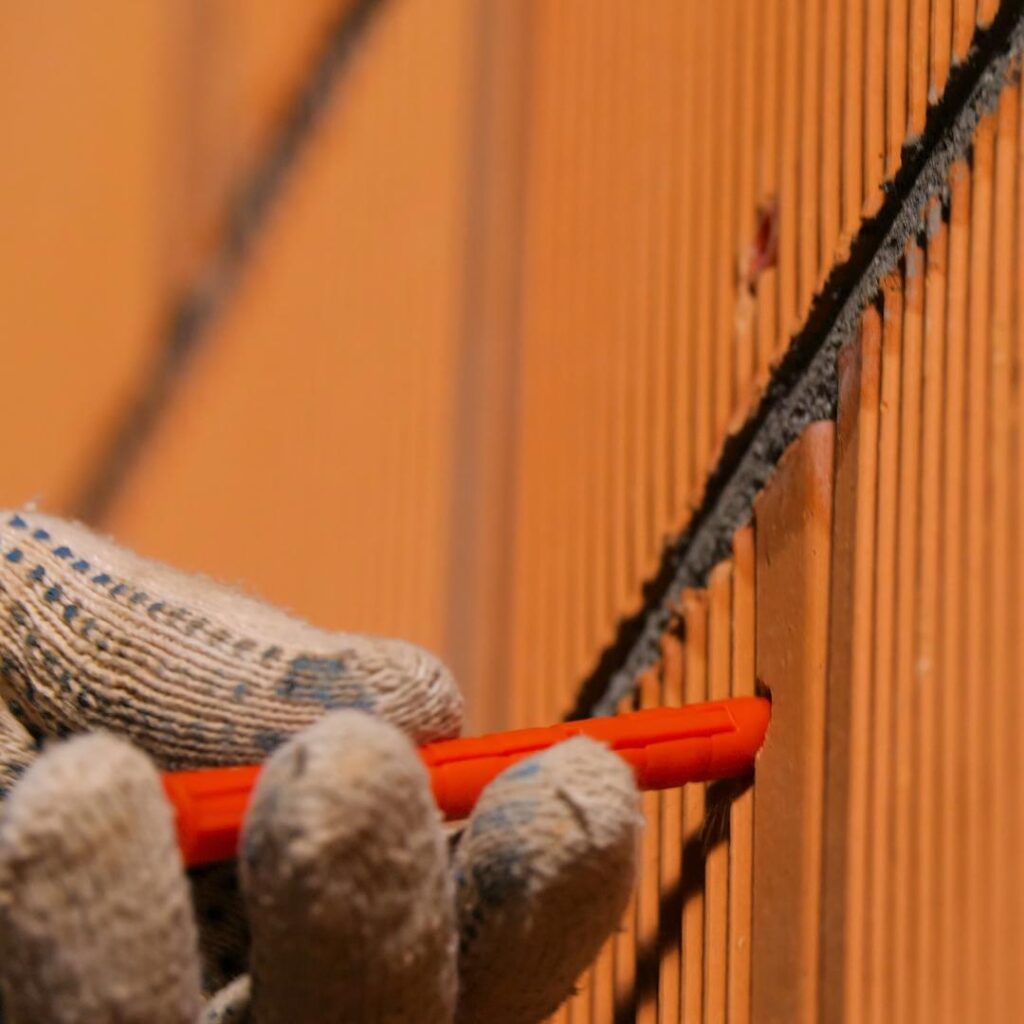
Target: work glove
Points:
(355, 904)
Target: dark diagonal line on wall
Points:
(192, 317)
(803, 388)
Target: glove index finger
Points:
(190, 670)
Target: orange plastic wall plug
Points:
(666, 747)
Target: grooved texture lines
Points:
(922, 918)
(693, 173)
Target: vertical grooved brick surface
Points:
(848, 714)
(793, 523)
(695, 618)
(741, 814)
(716, 865)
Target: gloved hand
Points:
(357, 908)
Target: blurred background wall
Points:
(234, 291)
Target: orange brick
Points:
(603, 985)
(769, 16)
(580, 1005)
(1003, 823)
(977, 708)
(941, 47)
(917, 65)
(874, 107)
(810, 160)
(793, 529)
(695, 615)
(963, 27)
(895, 85)
(927, 668)
(853, 117)
(830, 191)
(902, 910)
(882, 965)
(1015, 950)
(952, 780)
(848, 719)
(671, 859)
(716, 870)
(791, 57)
(741, 822)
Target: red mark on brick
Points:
(763, 251)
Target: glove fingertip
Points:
(543, 872)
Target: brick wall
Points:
(489, 325)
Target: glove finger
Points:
(193, 672)
(543, 872)
(344, 867)
(95, 920)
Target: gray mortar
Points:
(794, 400)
